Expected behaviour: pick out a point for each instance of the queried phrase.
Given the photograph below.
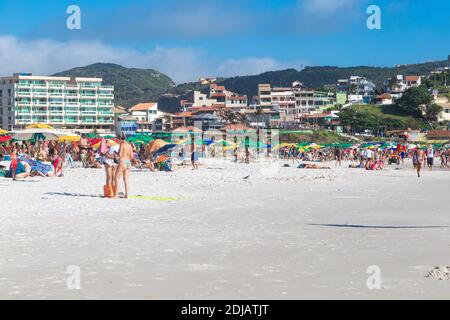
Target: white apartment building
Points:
(63, 102)
(359, 89)
(219, 97)
(397, 85)
(283, 100)
(265, 95)
(146, 114)
(202, 100)
(292, 100)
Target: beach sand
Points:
(282, 233)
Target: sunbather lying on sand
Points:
(312, 166)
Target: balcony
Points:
(23, 94)
(23, 86)
(103, 121)
(40, 104)
(23, 111)
(24, 121)
(107, 88)
(40, 86)
(40, 94)
(90, 121)
(72, 120)
(105, 96)
(56, 120)
(40, 113)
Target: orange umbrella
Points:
(155, 145)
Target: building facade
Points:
(63, 102)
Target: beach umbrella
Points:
(38, 134)
(166, 148)
(2, 132)
(70, 138)
(98, 143)
(5, 138)
(40, 126)
(155, 145)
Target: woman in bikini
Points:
(124, 167)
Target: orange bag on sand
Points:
(108, 191)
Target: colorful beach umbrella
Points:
(70, 138)
(5, 139)
(40, 126)
(155, 145)
(38, 134)
(97, 144)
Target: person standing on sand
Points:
(430, 157)
(109, 156)
(14, 163)
(417, 161)
(124, 167)
(338, 156)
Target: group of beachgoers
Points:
(46, 159)
(31, 159)
(369, 158)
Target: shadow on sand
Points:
(68, 194)
(374, 227)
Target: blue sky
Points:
(192, 38)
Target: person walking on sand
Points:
(417, 161)
(124, 166)
(430, 157)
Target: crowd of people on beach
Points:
(117, 156)
(370, 157)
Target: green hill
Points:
(132, 86)
(318, 77)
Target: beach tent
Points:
(37, 134)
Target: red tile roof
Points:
(439, 133)
(412, 78)
(143, 106)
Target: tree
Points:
(412, 100)
(433, 111)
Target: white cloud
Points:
(48, 57)
(181, 64)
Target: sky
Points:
(188, 39)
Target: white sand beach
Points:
(282, 233)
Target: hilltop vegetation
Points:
(132, 86)
(378, 118)
(318, 77)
